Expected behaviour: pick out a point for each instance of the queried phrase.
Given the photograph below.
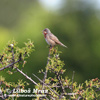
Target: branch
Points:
(58, 77)
(45, 84)
(45, 74)
(14, 62)
(10, 65)
(29, 78)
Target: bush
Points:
(54, 84)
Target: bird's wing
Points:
(54, 38)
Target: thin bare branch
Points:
(29, 78)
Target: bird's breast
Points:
(47, 39)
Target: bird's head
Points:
(46, 31)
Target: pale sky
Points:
(51, 4)
(56, 4)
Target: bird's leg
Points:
(51, 47)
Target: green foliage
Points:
(13, 57)
(56, 84)
(12, 53)
(6, 88)
(64, 87)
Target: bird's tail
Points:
(63, 45)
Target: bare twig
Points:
(38, 78)
(29, 78)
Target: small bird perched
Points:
(51, 39)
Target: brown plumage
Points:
(51, 39)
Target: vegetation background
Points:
(75, 22)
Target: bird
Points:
(51, 39)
